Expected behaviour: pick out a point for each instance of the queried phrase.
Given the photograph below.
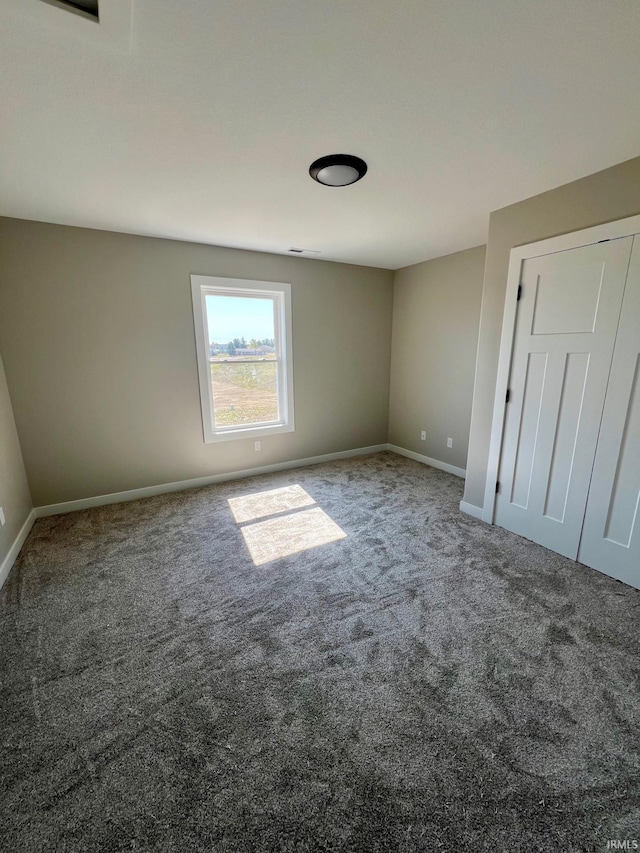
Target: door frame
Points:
(519, 254)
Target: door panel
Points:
(611, 537)
(574, 382)
(556, 310)
(529, 420)
(563, 346)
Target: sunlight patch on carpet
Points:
(289, 534)
(261, 504)
(295, 524)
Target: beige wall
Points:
(436, 310)
(97, 336)
(603, 197)
(14, 491)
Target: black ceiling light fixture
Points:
(86, 8)
(338, 170)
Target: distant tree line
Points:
(241, 343)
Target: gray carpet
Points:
(424, 683)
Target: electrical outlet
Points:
(257, 445)
(2, 518)
(423, 435)
(449, 442)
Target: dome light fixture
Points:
(338, 170)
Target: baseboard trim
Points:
(183, 485)
(9, 560)
(471, 509)
(427, 460)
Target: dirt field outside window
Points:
(244, 392)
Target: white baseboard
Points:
(471, 509)
(427, 460)
(182, 485)
(9, 560)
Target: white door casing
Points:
(564, 338)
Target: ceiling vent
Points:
(86, 8)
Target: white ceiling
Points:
(198, 119)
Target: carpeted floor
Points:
(423, 683)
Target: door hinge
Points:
(519, 293)
(508, 396)
(498, 487)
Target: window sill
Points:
(248, 432)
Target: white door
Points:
(611, 536)
(563, 346)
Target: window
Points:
(243, 340)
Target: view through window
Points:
(243, 360)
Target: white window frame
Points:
(280, 294)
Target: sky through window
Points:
(230, 317)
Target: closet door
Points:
(611, 537)
(563, 346)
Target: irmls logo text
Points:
(619, 844)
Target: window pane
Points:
(244, 392)
(240, 325)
